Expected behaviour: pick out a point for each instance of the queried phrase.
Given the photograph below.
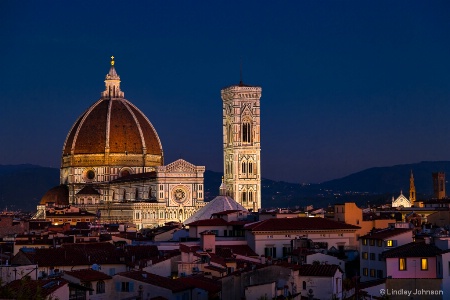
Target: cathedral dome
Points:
(114, 131)
(58, 195)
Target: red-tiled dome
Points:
(114, 124)
(58, 195)
(112, 130)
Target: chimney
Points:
(208, 241)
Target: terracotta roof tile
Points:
(46, 287)
(243, 250)
(59, 195)
(385, 233)
(88, 275)
(414, 249)
(318, 270)
(301, 223)
(174, 285)
(76, 254)
(189, 248)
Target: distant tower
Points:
(439, 185)
(412, 189)
(241, 144)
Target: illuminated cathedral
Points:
(112, 162)
(112, 165)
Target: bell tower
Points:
(439, 185)
(241, 144)
(412, 190)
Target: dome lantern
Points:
(112, 83)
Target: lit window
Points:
(364, 255)
(365, 271)
(389, 243)
(402, 264)
(424, 264)
(364, 241)
(372, 272)
(372, 242)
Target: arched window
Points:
(250, 196)
(244, 197)
(250, 168)
(136, 196)
(244, 167)
(100, 287)
(246, 132)
(124, 195)
(229, 134)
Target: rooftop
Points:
(175, 285)
(88, 275)
(385, 233)
(414, 249)
(301, 223)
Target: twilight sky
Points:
(346, 85)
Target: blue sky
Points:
(347, 85)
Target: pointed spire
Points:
(112, 71)
(112, 83)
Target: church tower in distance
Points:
(412, 190)
(241, 144)
(439, 185)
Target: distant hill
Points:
(22, 186)
(391, 179)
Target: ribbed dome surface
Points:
(59, 195)
(112, 125)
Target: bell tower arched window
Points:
(244, 167)
(229, 134)
(246, 132)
